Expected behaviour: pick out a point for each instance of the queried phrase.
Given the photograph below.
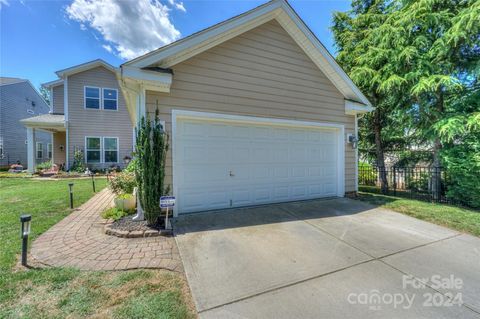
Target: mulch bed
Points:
(128, 228)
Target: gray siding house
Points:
(89, 115)
(20, 100)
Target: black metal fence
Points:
(423, 183)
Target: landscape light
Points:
(70, 186)
(93, 181)
(26, 221)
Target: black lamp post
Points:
(93, 181)
(70, 187)
(25, 220)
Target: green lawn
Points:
(63, 292)
(461, 219)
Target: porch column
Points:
(141, 104)
(31, 149)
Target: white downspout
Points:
(67, 128)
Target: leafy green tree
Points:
(459, 132)
(45, 94)
(151, 149)
(412, 58)
(354, 44)
(433, 47)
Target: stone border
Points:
(134, 233)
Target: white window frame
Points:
(103, 99)
(38, 149)
(49, 150)
(103, 149)
(85, 97)
(100, 150)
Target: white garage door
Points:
(230, 164)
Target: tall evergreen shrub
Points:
(151, 150)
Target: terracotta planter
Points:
(125, 204)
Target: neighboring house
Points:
(89, 115)
(257, 112)
(20, 100)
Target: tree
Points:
(459, 131)
(433, 48)
(151, 149)
(352, 31)
(45, 94)
(411, 58)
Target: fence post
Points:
(394, 182)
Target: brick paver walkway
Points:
(79, 241)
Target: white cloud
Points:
(177, 5)
(108, 48)
(129, 28)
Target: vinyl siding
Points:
(58, 99)
(15, 100)
(59, 155)
(263, 73)
(102, 123)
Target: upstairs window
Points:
(93, 149)
(110, 149)
(92, 98)
(110, 99)
(39, 150)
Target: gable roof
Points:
(11, 81)
(7, 80)
(84, 67)
(176, 52)
(77, 69)
(52, 84)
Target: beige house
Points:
(89, 115)
(257, 112)
(256, 109)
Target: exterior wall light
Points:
(25, 220)
(352, 139)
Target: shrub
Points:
(78, 165)
(366, 174)
(122, 183)
(114, 213)
(151, 150)
(132, 166)
(44, 165)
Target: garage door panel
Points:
(196, 175)
(241, 153)
(221, 165)
(241, 196)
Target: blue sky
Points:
(40, 37)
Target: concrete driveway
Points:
(337, 258)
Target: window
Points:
(49, 150)
(92, 98)
(110, 149)
(39, 150)
(93, 149)
(1, 148)
(110, 99)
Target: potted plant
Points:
(125, 202)
(122, 184)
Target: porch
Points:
(53, 123)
